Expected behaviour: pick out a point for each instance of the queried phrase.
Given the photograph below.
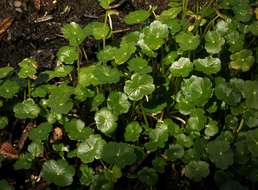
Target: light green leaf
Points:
(208, 65)
(59, 71)
(140, 85)
(105, 3)
(87, 175)
(170, 13)
(36, 149)
(5, 71)
(197, 170)
(211, 128)
(27, 109)
(187, 41)
(105, 121)
(97, 29)
(242, 60)
(214, 42)
(132, 131)
(136, 17)
(58, 172)
(197, 120)
(97, 101)
(181, 68)
(68, 54)
(74, 33)
(118, 102)
(28, 68)
(119, 154)
(235, 40)
(91, 148)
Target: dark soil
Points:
(36, 31)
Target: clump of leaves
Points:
(179, 95)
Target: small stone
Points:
(17, 4)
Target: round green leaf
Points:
(87, 175)
(148, 176)
(208, 65)
(41, 132)
(59, 71)
(106, 121)
(140, 85)
(132, 131)
(197, 120)
(119, 154)
(74, 33)
(214, 42)
(181, 68)
(139, 65)
(28, 68)
(187, 41)
(211, 128)
(68, 54)
(26, 109)
(97, 29)
(58, 172)
(159, 164)
(24, 162)
(136, 17)
(76, 130)
(235, 40)
(220, 153)
(118, 103)
(242, 60)
(36, 149)
(8, 89)
(91, 148)
(4, 71)
(174, 152)
(158, 136)
(197, 170)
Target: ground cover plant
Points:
(172, 104)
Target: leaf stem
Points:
(29, 90)
(105, 23)
(144, 116)
(240, 126)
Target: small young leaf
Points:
(28, 68)
(68, 54)
(87, 176)
(136, 17)
(105, 3)
(36, 149)
(106, 121)
(74, 33)
(132, 131)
